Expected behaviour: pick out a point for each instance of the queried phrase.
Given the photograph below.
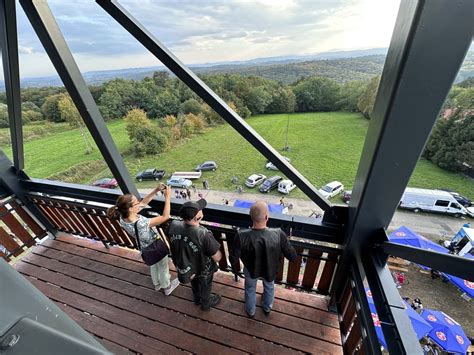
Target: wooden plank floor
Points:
(110, 294)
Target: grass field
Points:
(324, 147)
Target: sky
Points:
(208, 31)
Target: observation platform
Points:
(109, 293)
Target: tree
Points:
(349, 96)
(191, 106)
(50, 108)
(160, 78)
(367, 99)
(316, 94)
(135, 119)
(165, 103)
(283, 100)
(69, 113)
(257, 99)
(4, 121)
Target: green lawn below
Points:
(323, 147)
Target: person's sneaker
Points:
(214, 300)
(173, 284)
(250, 315)
(266, 312)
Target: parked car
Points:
(286, 186)
(254, 180)
(207, 165)
(270, 184)
(463, 200)
(179, 182)
(150, 174)
(346, 196)
(108, 183)
(331, 189)
(271, 166)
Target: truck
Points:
(437, 201)
(188, 174)
(463, 242)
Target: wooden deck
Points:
(110, 294)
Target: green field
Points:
(324, 147)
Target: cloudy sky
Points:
(204, 31)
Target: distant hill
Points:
(340, 66)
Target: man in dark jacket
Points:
(195, 253)
(260, 249)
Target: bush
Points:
(191, 106)
(149, 140)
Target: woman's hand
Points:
(167, 191)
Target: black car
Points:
(270, 184)
(150, 174)
(207, 165)
(463, 200)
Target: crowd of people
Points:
(195, 252)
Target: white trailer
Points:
(431, 201)
(188, 174)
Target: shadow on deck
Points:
(110, 294)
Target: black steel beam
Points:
(56, 47)
(9, 45)
(428, 46)
(450, 264)
(136, 29)
(396, 326)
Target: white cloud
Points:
(211, 30)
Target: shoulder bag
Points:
(154, 252)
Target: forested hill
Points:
(285, 71)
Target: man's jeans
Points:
(202, 286)
(251, 297)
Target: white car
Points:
(271, 166)
(286, 186)
(331, 189)
(254, 180)
(179, 182)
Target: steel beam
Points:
(450, 264)
(56, 47)
(136, 29)
(9, 45)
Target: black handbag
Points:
(154, 252)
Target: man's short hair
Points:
(259, 211)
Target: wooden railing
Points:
(313, 270)
(349, 322)
(18, 230)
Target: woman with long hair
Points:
(126, 210)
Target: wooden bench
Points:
(398, 261)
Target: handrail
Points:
(88, 219)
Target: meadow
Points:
(323, 147)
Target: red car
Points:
(106, 182)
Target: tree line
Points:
(179, 112)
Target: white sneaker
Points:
(173, 284)
(157, 287)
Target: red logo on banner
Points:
(441, 336)
(460, 339)
(432, 318)
(469, 284)
(400, 234)
(369, 293)
(376, 320)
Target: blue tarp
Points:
(273, 208)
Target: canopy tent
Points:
(420, 326)
(273, 208)
(446, 332)
(406, 236)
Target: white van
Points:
(285, 186)
(431, 201)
